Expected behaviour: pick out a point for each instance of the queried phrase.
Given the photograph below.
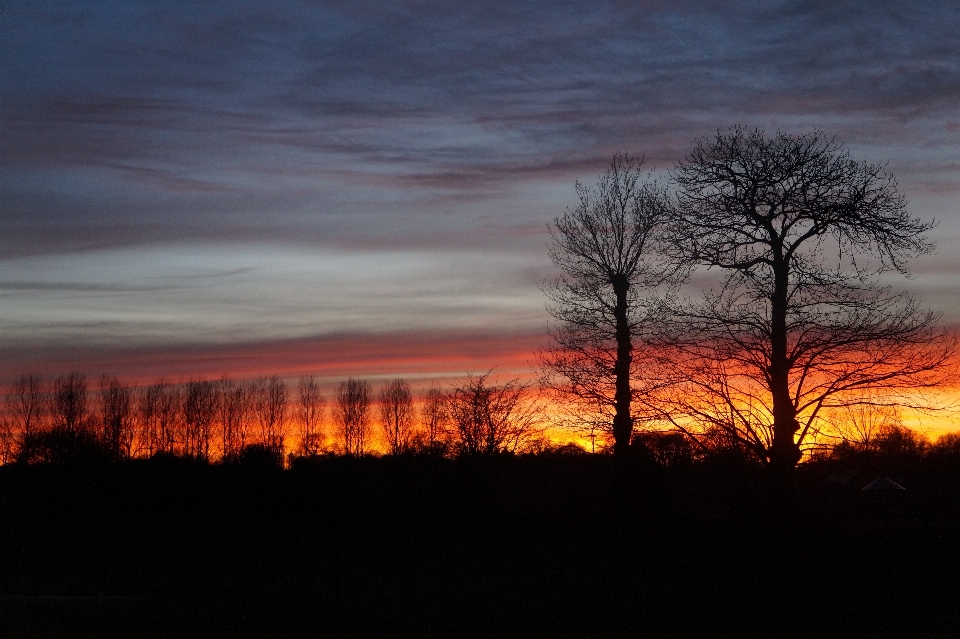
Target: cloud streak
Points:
(420, 356)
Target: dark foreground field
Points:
(529, 547)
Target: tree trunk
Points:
(784, 452)
(622, 421)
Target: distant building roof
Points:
(882, 483)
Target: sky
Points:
(363, 188)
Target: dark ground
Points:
(510, 547)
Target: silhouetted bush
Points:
(257, 456)
(63, 446)
(947, 447)
(437, 448)
(669, 449)
(891, 452)
(564, 450)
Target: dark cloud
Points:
(170, 283)
(564, 78)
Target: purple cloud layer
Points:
(399, 126)
(140, 122)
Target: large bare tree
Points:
(802, 319)
(606, 250)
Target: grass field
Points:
(553, 546)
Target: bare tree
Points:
(434, 432)
(159, 413)
(171, 419)
(800, 322)
(491, 418)
(25, 407)
(234, 412)
(147, 412)
(310, 406)
(352, 415)
(862, 423)
(199, 412)
(8, 441)
(68, 403)
(606, 249)
(269, 401)
(116, 417)
(396, 415)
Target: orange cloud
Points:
(414, 354)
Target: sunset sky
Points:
(363, 188)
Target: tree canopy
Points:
(801, 320)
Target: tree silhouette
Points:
(490, 418)
(396, 415)
(606, 250)
(234, 412)
(269, 399)
(116, 417)
(351, 412)
(159, 409)
(9, 443)
(68, 403)
(310, 405)
(199, 412)
(25, 407)
(434, 432)
(862, 422)
(801, 321)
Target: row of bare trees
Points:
(200, 418)
(476, 417)
(219, 419)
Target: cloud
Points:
(418, 355)
(362, 79)
(247, 293)
(237, 106)
(365, 127)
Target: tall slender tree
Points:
(396, 415)
(351, 412)
(234, 414)
(434, 432)
(116, 417)
(199, 412)
(270, 404)
(606, 250)
(310, 408)
(25, 407)
(159, 415)
(68, 403)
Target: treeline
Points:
(888, 449)
(227, 420)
